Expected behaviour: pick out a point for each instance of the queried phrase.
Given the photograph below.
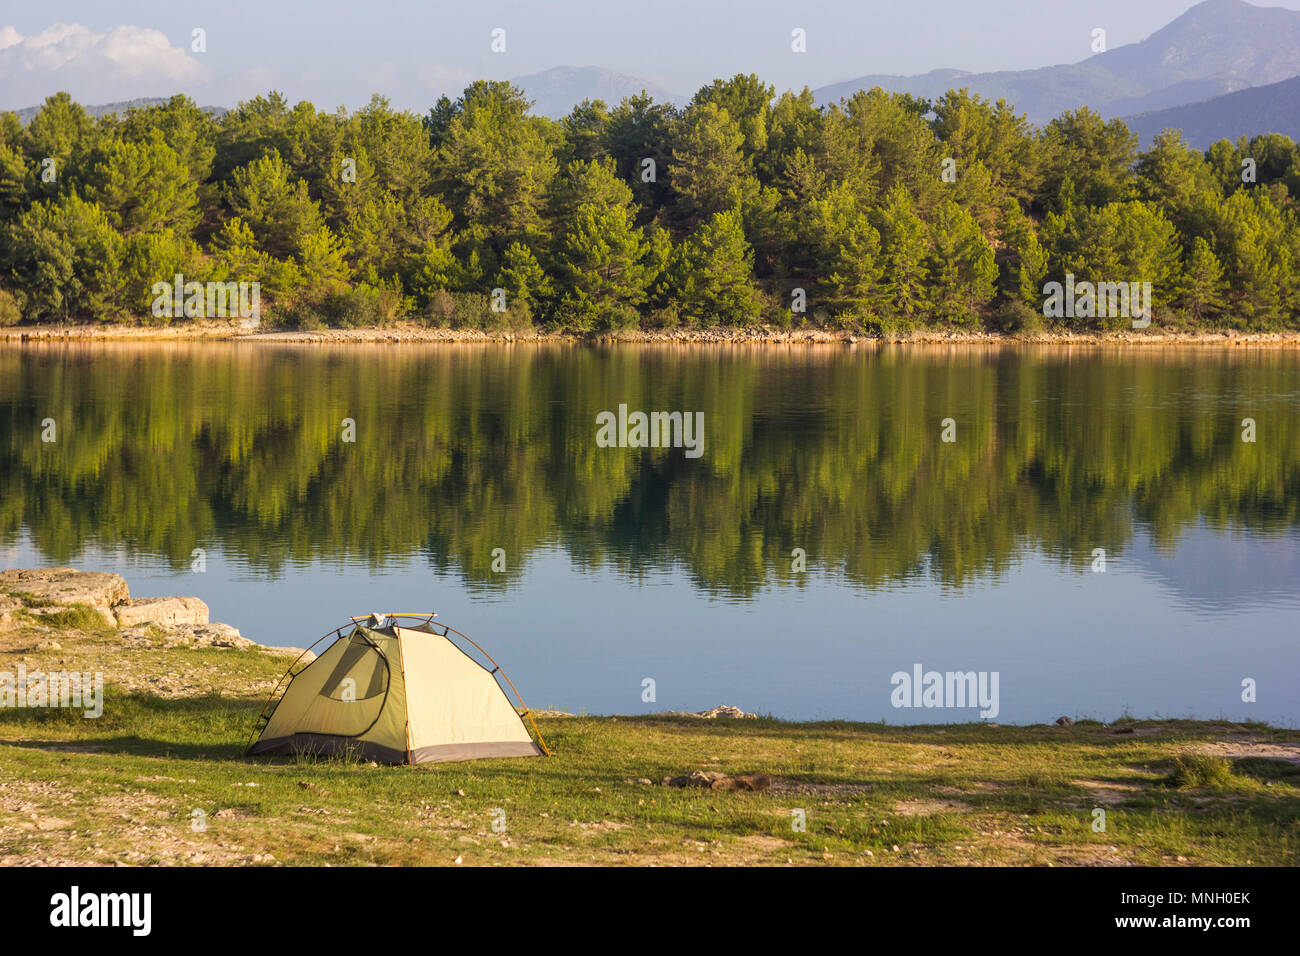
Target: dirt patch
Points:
(802, 788)
(1234, 749)
(1107, 792)
(599, 826)
(925, 808)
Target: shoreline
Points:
(176, 700)
(410, 333)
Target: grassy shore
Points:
(757, 335)
(124, 788)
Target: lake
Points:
(1084, 527)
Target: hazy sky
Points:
(336, 52)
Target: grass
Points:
(79, 617)
(135, 785)
(1200, 770)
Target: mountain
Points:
(26, 114)
(558, 90)
(1216, 47)
(1221, 571)
(1274, 108)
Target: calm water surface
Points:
(622, 565)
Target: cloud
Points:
(437, 79)
(119, 64)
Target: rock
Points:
(161, 611)
(1064, 722)
(142, 622)
(722, 710)
(218, 635)
(8, 605)
(185, 635)
(713, 780)
(744, 781)
(66, 586)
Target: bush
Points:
(440, 310)
(300, 314)
(665, 318)
(622, 316)
(473, 310)
(846, 320)
(886, 326)
(520, 317)
(1016, 316)
(10, 313)
(362, 306)
(1199, 770)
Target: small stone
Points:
(1064, 722)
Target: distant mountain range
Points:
(558, 90)
(1274, 108)
(1223, 69)
(1216, 47)
(555, 91)
(27, 113)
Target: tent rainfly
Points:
(398, 694)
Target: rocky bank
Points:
(62, 618)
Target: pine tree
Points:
(904, 250)
(1203, 285)
(601, 265)
(711, 274)
(960, 262)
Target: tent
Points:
(397, 693)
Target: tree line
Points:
(883, 212)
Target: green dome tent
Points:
(395, 693)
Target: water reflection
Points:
(461, 450)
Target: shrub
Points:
(362, 306)
(1014, 315)
(1199, 770)
(665, 318)
(887, 326)
(622, 316)
(473, 310)
(440, 310)
(10, 313)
